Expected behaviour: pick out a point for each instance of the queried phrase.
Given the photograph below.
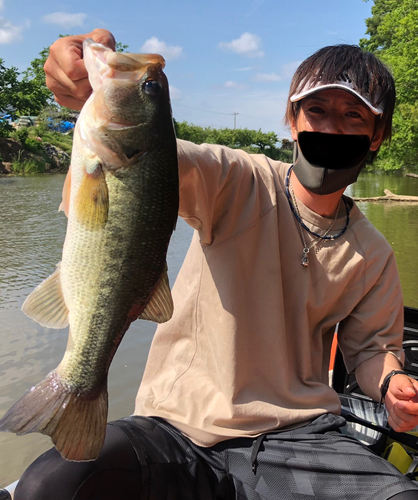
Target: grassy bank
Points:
(33, 150)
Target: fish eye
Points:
(151, 87)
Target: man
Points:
(234, 402)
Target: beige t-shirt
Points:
(247, 349)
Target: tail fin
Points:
(76, 424)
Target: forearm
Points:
(370, 373)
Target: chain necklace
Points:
(321, 237)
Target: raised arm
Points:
(209, 174)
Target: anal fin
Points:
(160, 307)
(46, 303)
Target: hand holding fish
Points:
(66, 74)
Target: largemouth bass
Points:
(121, 199)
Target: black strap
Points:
(385, 384)
(256, 448)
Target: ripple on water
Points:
(31, 237)
(32, 234)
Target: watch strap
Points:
(385, 384)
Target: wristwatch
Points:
(385, 384)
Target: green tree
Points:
(27, 93)
(377, 39)
(10, 94)
(252, 141)
(287, 145)
(37, 93)
(393, 36)
(121, 47)
(34, 94)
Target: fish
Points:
(121, 198)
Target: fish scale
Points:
(139, 245)
(121, 199)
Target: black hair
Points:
(366, 72)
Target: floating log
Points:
(411, 175)
(389, 196)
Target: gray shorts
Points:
(146, 458)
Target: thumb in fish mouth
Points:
(106, 40)
(103, 36)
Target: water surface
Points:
(31, 237)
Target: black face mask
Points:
(327, 163)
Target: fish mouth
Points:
(127, 62)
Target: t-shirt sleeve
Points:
(222, 190)
(375, 325)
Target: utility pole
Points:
(235, 119)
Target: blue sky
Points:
(223, 56)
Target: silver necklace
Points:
(306, 248)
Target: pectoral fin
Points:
(92, 199)
(46, 303)
(160, 307)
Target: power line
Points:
(228, 114)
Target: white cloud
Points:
(10, 33)
(175, 93)
(64, 19)
(1, 4)
(287, 71)
(247, 45)
(156, 46)
(233, 85)
(268, 77)
(248, 68)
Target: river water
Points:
(31, 237)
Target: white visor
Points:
(343, 85)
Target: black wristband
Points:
(385, 384)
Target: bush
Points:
(32, 166)
(33, 146)
(41, 128)
(5, 128)
(64, 142)
(20, 134)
